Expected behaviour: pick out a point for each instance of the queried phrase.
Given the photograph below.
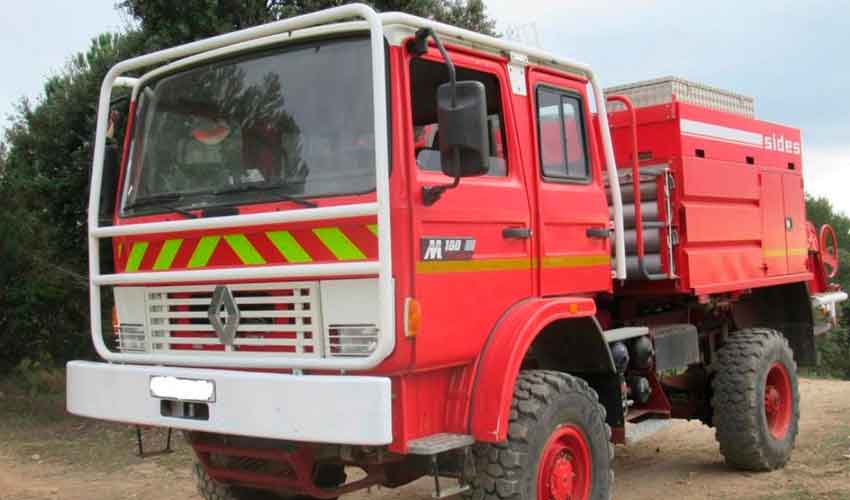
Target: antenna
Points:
(524, 33)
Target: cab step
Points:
(436, 444)
(639, 431)
(439, 443)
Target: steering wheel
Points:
(829, 258)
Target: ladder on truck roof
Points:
(647, 212)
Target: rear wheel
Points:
(756, 401)
(558, 444)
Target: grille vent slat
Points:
(274, 318)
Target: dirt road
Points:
(681, 462)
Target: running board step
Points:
(641, 430)
(450, 492)
(439, 443)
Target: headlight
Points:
(131, 337)
(351, 340)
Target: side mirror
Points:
(462, 117)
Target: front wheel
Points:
(756, 400)
(558, 444)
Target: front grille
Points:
(274, 318)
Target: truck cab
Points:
(401, 246)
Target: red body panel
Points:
(737, 203)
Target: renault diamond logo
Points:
(224, 314)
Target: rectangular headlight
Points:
(351, 340)
(131, 338)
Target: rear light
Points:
(352, 340)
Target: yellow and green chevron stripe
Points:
(351, 242)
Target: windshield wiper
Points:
(242, 188)
(161, 200)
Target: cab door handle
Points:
(516, 233)
(600, 233)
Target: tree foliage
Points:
(168, 23)
(834, 347)
(43, 195)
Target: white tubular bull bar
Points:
(382, 267)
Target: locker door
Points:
(795, 222)
(773, 238)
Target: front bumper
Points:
(307, 408)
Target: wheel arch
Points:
(532, 325)
(786, 308)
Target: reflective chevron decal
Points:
(321, 244)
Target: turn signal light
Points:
(115, 324)
(413, 318)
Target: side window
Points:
(425, 77)
(561, 134)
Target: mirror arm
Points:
(430, 194)
(418, 46)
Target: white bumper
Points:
(309, 408)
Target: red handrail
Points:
(630, 108)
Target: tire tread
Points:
(735, 399)
(501, 466)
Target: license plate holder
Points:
(182, 389)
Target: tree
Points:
(3, 153)
(167, 23)
(43, 198)
(834, 348)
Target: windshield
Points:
(293, 123)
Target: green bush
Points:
(40, 376)
(834, 350)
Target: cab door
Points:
(574, 251)
(472, 255)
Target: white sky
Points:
(789, 55)
(37, 38)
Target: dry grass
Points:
(36, 428)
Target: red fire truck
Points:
(351, 240)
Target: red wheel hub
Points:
(778, 400)
(564, 472)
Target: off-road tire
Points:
(738, 401)
(543, 401)
(210, 489)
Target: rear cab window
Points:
(561, 133)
